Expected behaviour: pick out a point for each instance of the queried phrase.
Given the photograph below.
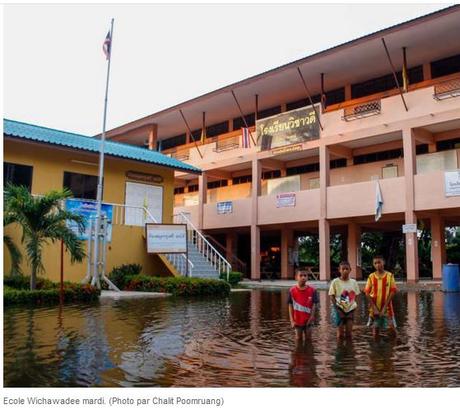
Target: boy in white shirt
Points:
(343, 292)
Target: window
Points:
(238, 180)
(311, 167)
(217, 129)
(338, 163)
(336, 96)
(302, 102)
(378, 156)
(192, 188)
(447, 145)
(385, 83)
(269, 112)
(421, 149)
(238, 122)
(178, 190)
(82, 186)
(217, 183)
(271, 174)
(20, 175)
(173, 142)
(446, 66)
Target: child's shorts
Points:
(381, 322)
(338, 320)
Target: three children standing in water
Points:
(343, 292)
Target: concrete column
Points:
(353, 246)
(410, 216)
(323, 223)
(230, 244)
(287, 241)
(438, 245)
(347, 92)
(255, 230)
(153, 135)
(202, 198)
(427, 71)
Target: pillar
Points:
(438, 246)
(153, 135)
(426, 71)
(202, 198)
(230, 245)
(287, 241)
(323, 223)
(412, 272)
(255, 229)
(354, 250)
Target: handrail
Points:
(240, 262)
(207, 249)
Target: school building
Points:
(309, 147)
(138, 187)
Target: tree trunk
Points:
(33, 279)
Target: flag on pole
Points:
(245, 141)
(203, 136)
(378, 202)
(106, 47)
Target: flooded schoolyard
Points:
(243, 340)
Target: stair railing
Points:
(178, 260)
(205, 248)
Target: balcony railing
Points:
(227, 144)
(363, 110)
(181, 155)
(447, 89)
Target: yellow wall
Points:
(128, 244)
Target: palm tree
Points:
(42, 220)
(15, 254)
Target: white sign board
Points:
(452, 183)
(141, 195)
(224, 207)
(285, 200)
(166, 238)
(409, 228)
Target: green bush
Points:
(118, 274)
(182, 286)
(233, 278)
(21, 282)
(72, 293)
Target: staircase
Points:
(203, 259)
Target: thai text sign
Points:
(166, 238)
(285, 200)
(224, 207)
(409, 228)
(87, 209)
(452, 183)
(291, 127)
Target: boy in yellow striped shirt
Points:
(380, 289)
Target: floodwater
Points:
(244, 340)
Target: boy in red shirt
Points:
(302, 301)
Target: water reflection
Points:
(245, 340)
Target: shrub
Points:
(21, 282)
(72, 293)
(118, 274)
(233, 278)
(182, 286)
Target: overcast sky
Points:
(54, 67)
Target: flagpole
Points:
(96, 278)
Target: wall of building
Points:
(128, 243)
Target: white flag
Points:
(378, 202)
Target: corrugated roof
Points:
(85, 143)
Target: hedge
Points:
(118, 274)
(16, 291)
(182, 286)
(233, 278)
